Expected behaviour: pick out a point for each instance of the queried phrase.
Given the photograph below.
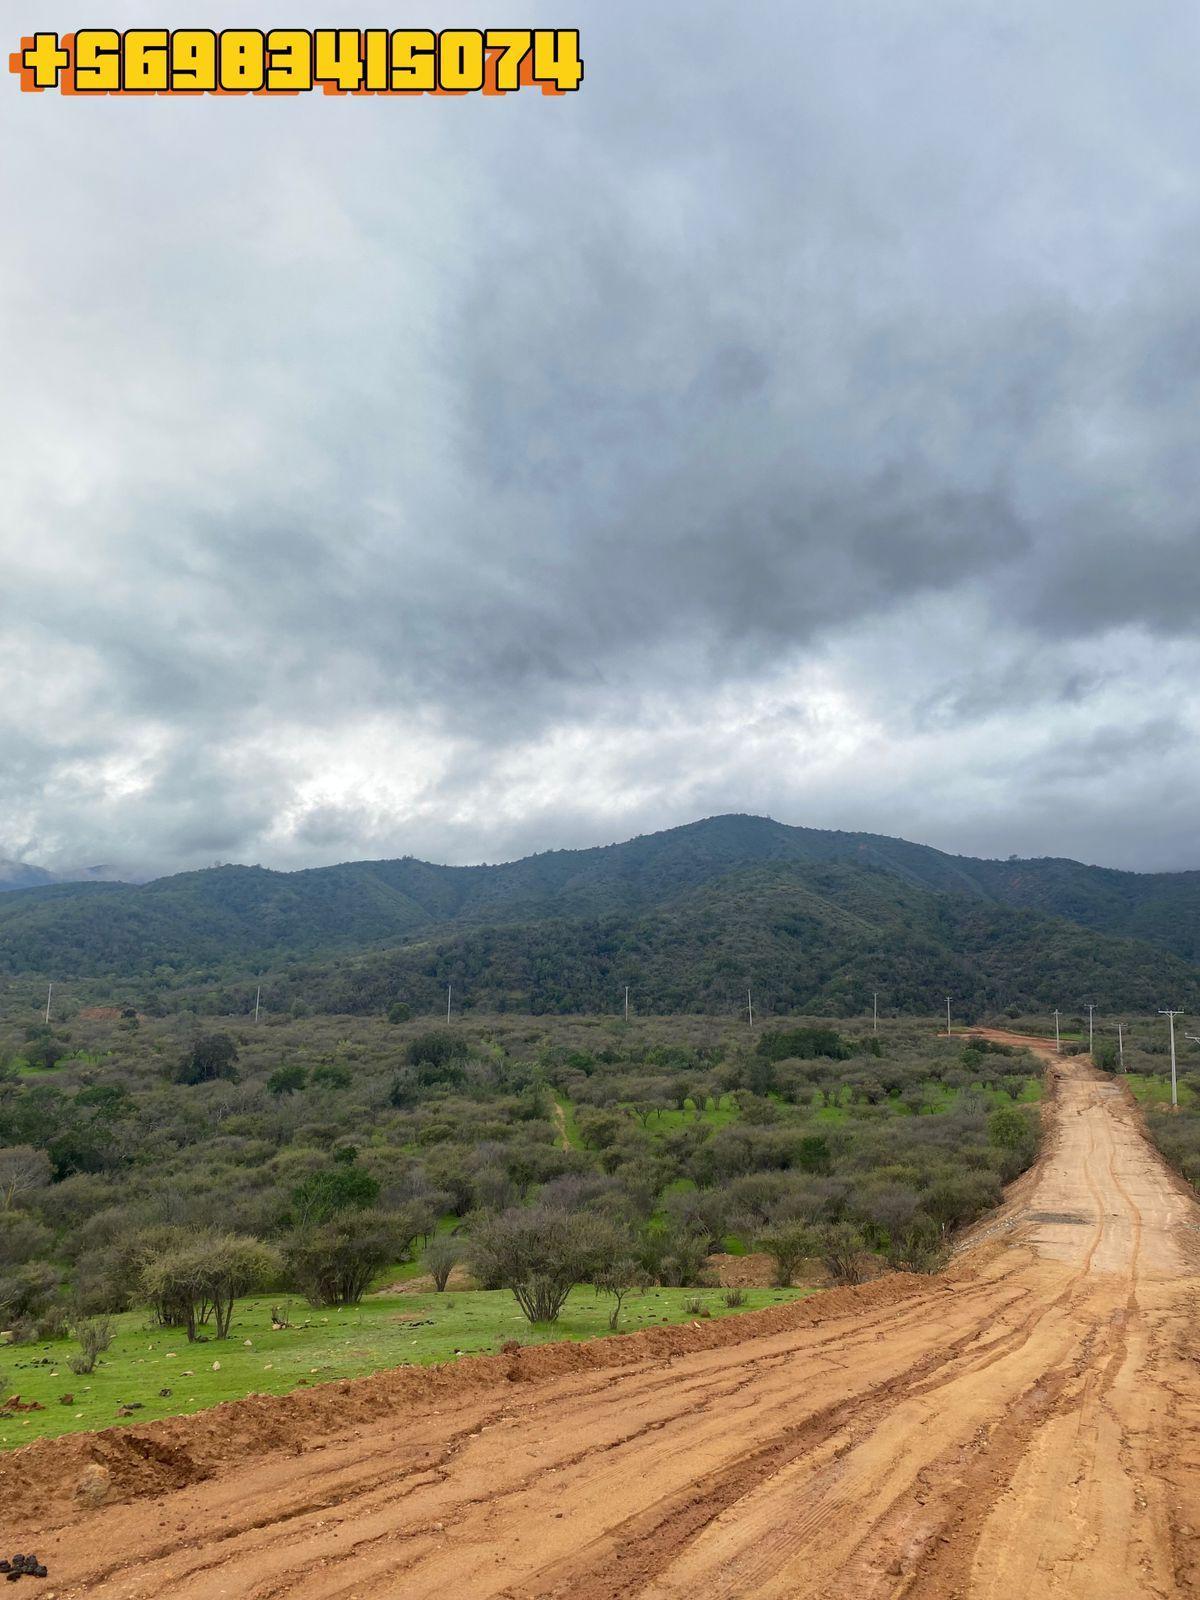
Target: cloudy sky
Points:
(801, 419)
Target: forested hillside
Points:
(687, 918)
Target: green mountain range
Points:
(689, 918)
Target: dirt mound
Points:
(752, 1271)
(45, 1477)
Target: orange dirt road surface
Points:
(1025, 1426)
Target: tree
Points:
(398, 1011)
(206, 1272)
(787, 1247)
(1008, 1129)
(287, 1080)
(333, 1263)
(342, 1187)
(26, 1291)
(22, 1170)
(331, 1075)
(621, 1278)
(440, 1258)
(214, 1055)
(22, 1238)
(541, 1254)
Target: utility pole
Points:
(750, 1006)
(947, 1016)
(49, 992)
(1171, 1015)
(257, 998)
(626, 1002)
(875, 1014)
(1057, 1035)
(449, 992)
(1121, 1044)
(1091, 1008)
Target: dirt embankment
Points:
(1028, 1424)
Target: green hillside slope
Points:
(814, 919)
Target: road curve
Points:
(1027, 1425)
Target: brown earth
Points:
(1026, 1425)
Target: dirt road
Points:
(1027, 1426)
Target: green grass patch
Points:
(570, 1126)
(384, 1331)
(1155, 1090)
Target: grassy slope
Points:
(386, 1330)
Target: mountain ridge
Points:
(702, 907)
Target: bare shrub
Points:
(94, 1335)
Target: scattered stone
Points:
(95, 1485)
(66, 1399)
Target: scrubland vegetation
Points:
(164, 1171)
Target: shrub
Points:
(843, 1252)
(94, 1335)
(921, 1248)
(332, 1264)
(734, 1297)
(439, 1259)
(787, 1246)
(541, 1254)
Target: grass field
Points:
(386, 1330)
(1156, 1090)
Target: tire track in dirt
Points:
(1027, 1425)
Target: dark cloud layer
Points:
(800, 419)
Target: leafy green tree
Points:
(214, 1055)
(342, 1187)
(287, 1080)
(331, 1075)
(1008, 1129)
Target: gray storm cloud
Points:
(799, 419)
